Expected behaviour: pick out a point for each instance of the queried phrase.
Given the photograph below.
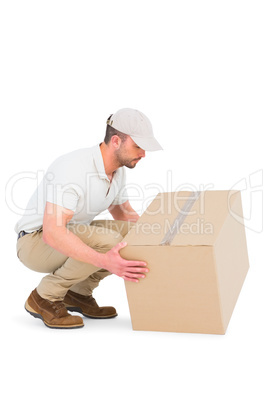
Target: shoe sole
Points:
(79, 310)
(31, 311)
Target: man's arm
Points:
(123, 212)
(57, 235)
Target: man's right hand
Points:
(126, 269)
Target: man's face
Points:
(129, 153)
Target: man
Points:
(58, 236)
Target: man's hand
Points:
(128, 270)
(123, 212)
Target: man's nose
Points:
(142, 153)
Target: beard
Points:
(123, 160)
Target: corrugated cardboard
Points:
(194, 281)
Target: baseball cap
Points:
(135, 124)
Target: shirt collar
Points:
(99, 164)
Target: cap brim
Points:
(148, 144)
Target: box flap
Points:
(169, 212)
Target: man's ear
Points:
(116, 141)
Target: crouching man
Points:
(65, 242)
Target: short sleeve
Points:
(61, 188)
(64, 196)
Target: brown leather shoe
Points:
(53, 314)
(87, 306)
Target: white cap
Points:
(137, 126)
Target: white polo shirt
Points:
(76, 181)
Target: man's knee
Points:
(99, 275)
(106, 238)
(123, 227)
(102, 238)
(97, 237)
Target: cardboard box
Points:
(195, 247)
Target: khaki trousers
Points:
(66, 273)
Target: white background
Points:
(198, 69)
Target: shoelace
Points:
(58, 306)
